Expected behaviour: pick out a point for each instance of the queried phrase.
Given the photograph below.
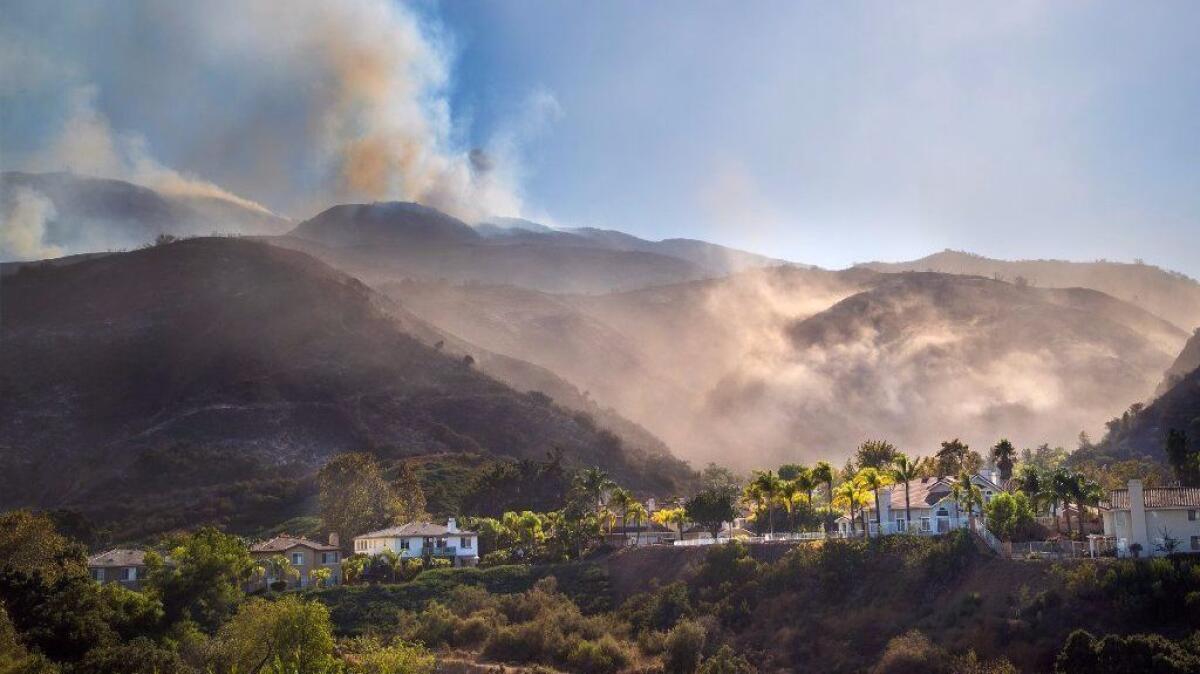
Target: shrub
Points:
(684, 646)
(725, 661)
(602, 656)
(1083, 653)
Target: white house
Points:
(1149, 516)
(423, 539)
(932, 506)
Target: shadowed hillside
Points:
(243, 354)
(79, 214)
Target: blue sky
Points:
(825, 133)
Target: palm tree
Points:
(392, 561)
(873, 480)
(952, 454)
(967, 495)
(637, 512)
(1003, 455)
(788, 493)
(822, 473)
(320, 577)
(352, 567)
(277, 567)
(850, 494)
(766, 485)
(806, 483)
(594, 482)
(671, 516)
(1061, 488)
(619, 500)
(1030, 482)
(906, 470)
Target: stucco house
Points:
(423, 540)
(127, 567)
(1149, 515)
(931, 502)
(304, 555)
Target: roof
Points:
(415, 529)
(118, 558)
(1156, 497)
(927, 491)
(282, 543)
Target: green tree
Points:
(1184, 460)
(320, 577)
(355, 498)
(637, 513)
(726, 661)
(277, 568)
(712, 507)
(877, 454)
(791, 471)
(203, 581)
(1004, 455)
(287, 635)
(1061, 486)
(593, 483)
(1008, 513)
(684, 645)
(29, 542)
(951, 458)
(853, 497)
(353, 567)
(764, 490)
(968, 496)
(905, 470)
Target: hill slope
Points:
(789, 362)
(238, 351)
(396, 241)
(83, 215)
(1169, 295)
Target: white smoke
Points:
(26, 215)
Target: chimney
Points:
(452, 525)
(1137, 516)
(333, 539)
(651, 506)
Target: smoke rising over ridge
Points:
(274, 106)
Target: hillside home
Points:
(127, 567)
(423, 540)
(931, 502)
(304, 555)
(1148, 516)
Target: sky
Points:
(824, 133)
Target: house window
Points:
(1191, 515)
(1196, 542)
(297, 559)
(465, 542)
(405, 544)
(98, 575)
(329, 557)
(131, 573)
(901, 523)
(925, 524)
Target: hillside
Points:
(225, 360)
(1144, 433)
(1187, 362)
(788, 363)
(396, 241)
(86, 215)
(1167, 294)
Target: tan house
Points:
(127, 567)
(304, 555)
(1149, 516)
(423, 540)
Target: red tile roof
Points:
(283, 543)
(1156, 497)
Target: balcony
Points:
(448, 551)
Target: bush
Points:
(602, 656)
(1083, 653)
(725, 661)
(684, 646)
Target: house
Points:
(127, 567)
(423, 540)
(931, 502)
(1152, 517)
(304, 555)
(640, 533)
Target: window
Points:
(925, 524)
(1196, 542)
(98, 575)
(465, 542)
(901, 523)
(297, 559)
(131, 573)
(1191, 515)
(404, 544)
(329, 557)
